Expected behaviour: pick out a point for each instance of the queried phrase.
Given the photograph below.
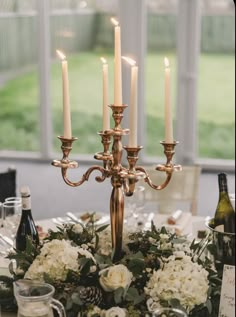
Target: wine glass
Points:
(135, 206)
(169, 312)
(1, 215)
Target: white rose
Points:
(114, 277)
(115, 312)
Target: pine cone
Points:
(90, 295)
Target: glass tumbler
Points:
(11, 215)
(14, 199)
(169, 312)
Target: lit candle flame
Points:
(129, 60)
(114, 21)
(104, 61)
(166, 62)
(61, 55)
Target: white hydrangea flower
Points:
(185, 247)
(77, 228)
(181, 279)
(105, 244)
(56, 258)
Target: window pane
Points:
(161, 42)
(216, 103)
(84, 35)
(18, 76)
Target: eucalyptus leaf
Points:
(136, 266)
(133, 295)
(85, 265)
(118, 295)
(209, 306)
(102, 228)
(76, 299)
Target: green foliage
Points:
(24, 258)
(145, 252)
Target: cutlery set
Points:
(72, 218)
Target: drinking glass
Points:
(169, 312)
(11, 215)
(14, 199)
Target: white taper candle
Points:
(66, 97)
(117, 66)
(133, 114)
(168, 114)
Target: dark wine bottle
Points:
(225, 214)
(27, 226)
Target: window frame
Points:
(188, 40)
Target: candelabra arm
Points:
(148, 180)
(85, 176)
(168, 167)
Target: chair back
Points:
(7, 184)
(182, 190)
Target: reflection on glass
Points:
(216, 112)
(19, 76)
(169, 312)
(161, 43)
(83, 50)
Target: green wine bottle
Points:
(225, 214)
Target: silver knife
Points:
(7, 240)
(73, 217)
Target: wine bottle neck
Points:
(26, 203)
(223, 186)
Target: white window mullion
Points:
(44, 78)
(188, 48)
(132, 16)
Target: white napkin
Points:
(182, 226)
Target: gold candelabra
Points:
(123, 179)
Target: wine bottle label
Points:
(26, 202)
(220, 228)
